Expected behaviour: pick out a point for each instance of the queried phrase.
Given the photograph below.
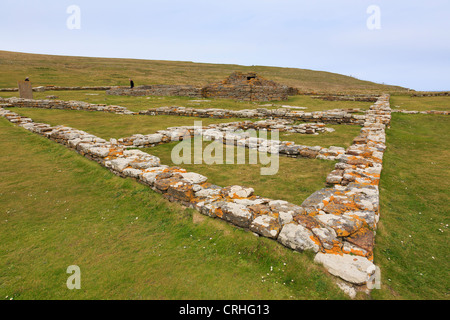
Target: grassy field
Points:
(108, 125)
(84, 71)
(412, 242)
(144, 103)
(59, 209)
(420, 103)
(295, 181)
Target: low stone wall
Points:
(362, 161)
(363, 98)
(229, 133)
(158, 90)
(247, 93)
(59, 88)
(431, 94)
(338, 223)
(421, 112)
(62, 105)
(336, 116)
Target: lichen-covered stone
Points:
(347, 267)
(237, 214)
(266, 225)
(297, 237)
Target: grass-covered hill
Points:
(85, 71)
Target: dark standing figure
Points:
(131, 84)
(27, 79)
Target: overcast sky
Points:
(411, 48)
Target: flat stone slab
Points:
(353, 269)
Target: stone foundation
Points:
(336, 97)
(330, 116)
(238, 86)
(157, 90)
(338, 223)
(229, 133)
(59, 88)
(62, 105)
(337, 116)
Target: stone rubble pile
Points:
(338, 223)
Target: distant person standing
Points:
(27, 79)
(131, 84)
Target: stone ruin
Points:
(338, 223)
(238, 86)
(248, 87)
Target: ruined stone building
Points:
(238, 86)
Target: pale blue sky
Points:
(412, 48)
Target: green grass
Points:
(420, 103)
(110, 125)
(295, 180)
(84, 71)
(59, 209)
(412, 239)
(342, 137)
(144, 103)
(320, 105)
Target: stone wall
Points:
(248, 87)
(338, 223)
(59, 88)
(335, 97)
(336, 116)
(238, 86)
(157, 90)
(431, 94)
(421, 112)
(232, 134)
(62, 105)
